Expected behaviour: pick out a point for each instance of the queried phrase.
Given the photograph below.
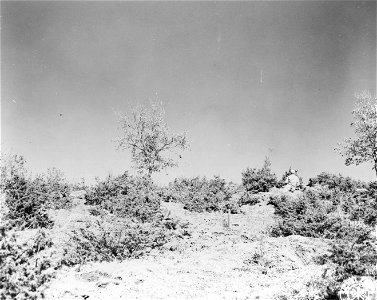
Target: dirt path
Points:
(215, 262)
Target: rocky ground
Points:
(216, 261)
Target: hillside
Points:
(212, 262)
(197, 238)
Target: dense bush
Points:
(347, 219)
(11, 166)
(312, 214)
(372, 189)
(337, 183)
(25, 269)
(106, 189)
(248, 198)
(26, 201)
(360, 206)
(200, 194)
(106, 240)
(54, 187)
(353, 257)
(259, 180)
(106, 237)
(357, 199)
(126, 196)
(305, 216)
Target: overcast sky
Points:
(246, 79)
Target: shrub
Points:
(26, 204)
(337, 183)
(353, 258)
(28, 199)
(346, 219)
(354, 255)
(200, 194)
(259, 180)
(12, 166)
(25, 269)
(107, 189)
(126, 196)
(28, 211)
(360, 207)
(168, 194)
(372, 189)
(313, 215)
(249, 198)
(108, 238)
(54, 187)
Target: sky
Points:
(245, 79)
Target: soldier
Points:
(292, 182)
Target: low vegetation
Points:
(126, 196)
(259, 180)
(202, 194)
(336, 209)
(28, 198)
(108, 238)
(125, 220)
(25, 268)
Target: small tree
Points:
(364, 147)
(150, 140)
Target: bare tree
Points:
(364, 147)
(153, 146)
